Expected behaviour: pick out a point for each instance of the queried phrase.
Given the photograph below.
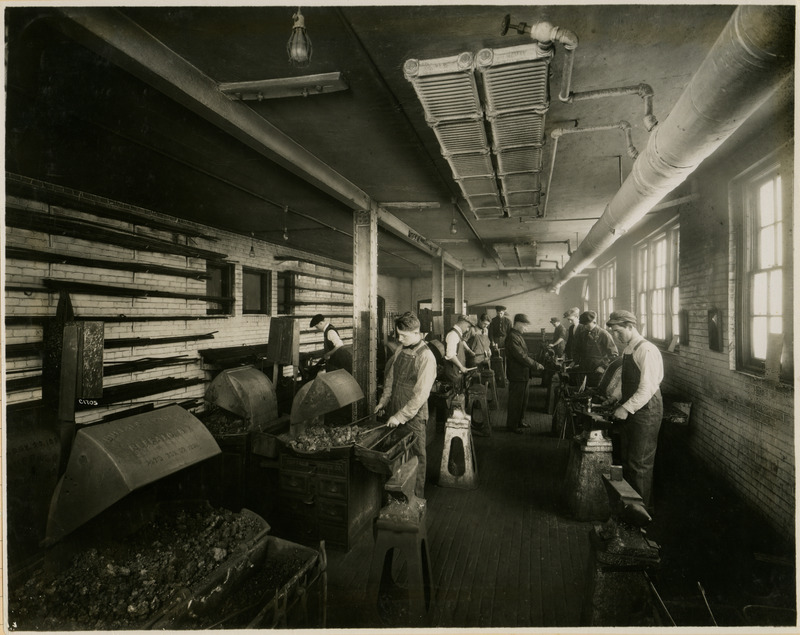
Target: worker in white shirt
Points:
(640, 408)
(336, 354)
(455, 359)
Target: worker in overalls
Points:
(336, 354)
(407, 385)
(455, 358)
(640, 409)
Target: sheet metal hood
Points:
(245, 391)
(328, 392)
(108, 461)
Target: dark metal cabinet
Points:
(326, 499)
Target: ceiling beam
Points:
(114, 36)
(397, 227)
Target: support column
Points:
(459, 292)
(437, 294)
(365, 306)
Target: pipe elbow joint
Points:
(546, 32)
(650, 122)
(645, 90)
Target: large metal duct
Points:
(751, 58)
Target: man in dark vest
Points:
(498, 329)
(640, 409)
(518, 370)
(336, 354)
(407, 385)
(455, 359)
(594, 349)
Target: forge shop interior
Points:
(427, 316)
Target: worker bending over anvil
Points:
(409, 377)
(640, 409)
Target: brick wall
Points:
(741, 426)
(325, 282)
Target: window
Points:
(218, 288)
(657, 285)
(256, 291)
(764, 292)
(585, 295)
(285, 289)
(608, 290)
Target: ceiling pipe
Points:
(545, 34)
(751, 57)
(644, 91)
(559, 132)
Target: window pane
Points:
(760, 293)
(766, 203)
(676, 300)
(759, 338)
(776, 325)
(251, 291)
(778, 199)
(766, 247)
(779, 244)
(776, 292)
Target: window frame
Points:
(607, 289)
(224, 306)
(265, 285)
(657, 284)
(285, 282)
(744, 207)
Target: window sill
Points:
(781, 385)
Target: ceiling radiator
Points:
(491, 133)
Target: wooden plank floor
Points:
(506, 555)
(502, 555)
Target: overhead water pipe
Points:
(752, 56)
(558, 132)
(644, 91)
(545, 34)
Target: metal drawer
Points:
(332, 487)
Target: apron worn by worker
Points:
(404, 369)
(451, 371)
(640, 431)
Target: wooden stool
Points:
(458, 441)
(476, 394)
(487, 379)
(401, 538)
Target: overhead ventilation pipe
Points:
(559, 132)
(751, 57)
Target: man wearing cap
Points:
(640, 409)
(499, 328)
(479, 344)
(594, 349)
(518, 371)
(571, 316)
(559, 337)
(455, 359)
(556, 348)
(336, 354)
(407, 386)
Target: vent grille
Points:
(491, 131)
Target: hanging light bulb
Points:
(299, 45)
(285, 227)
(453, 226)
(252, 245)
